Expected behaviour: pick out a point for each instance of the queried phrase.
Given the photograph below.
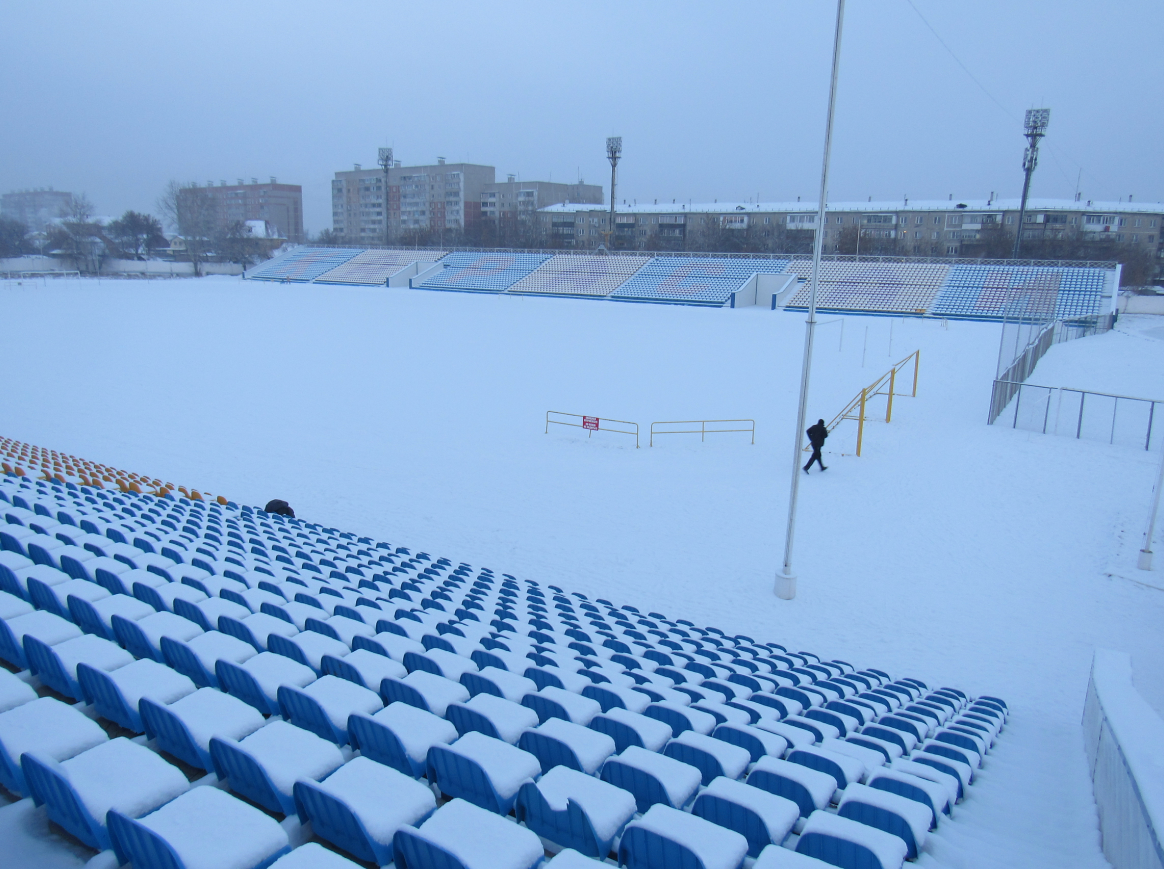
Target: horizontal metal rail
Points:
(703, 431)
(887, 382)
(591, 424)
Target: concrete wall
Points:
(1124, 740)
(1131, 303)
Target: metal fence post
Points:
(916, 362)
(1079, 425)
(861, 420)
(889, 404)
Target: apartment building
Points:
(36, 209)
(280, 205)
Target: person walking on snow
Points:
(816, 437)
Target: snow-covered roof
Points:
(865, 207)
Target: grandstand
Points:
(1046, 293)
(580, 275)
(375, 267)
(694, 280)
(302, 264)
(897, 288)
(482, 272)
(348, 681)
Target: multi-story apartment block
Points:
(280, 205)
(513, 200)
(35, 208)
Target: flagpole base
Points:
(1144, 562)
(785, 586)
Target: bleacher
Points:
(302, 264)
(375, 267)
(580, 275)
(898, 288)
(412, 707)
(1043, 292)
(482, 272)
(694, 280)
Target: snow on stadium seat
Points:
(324, 706)
(96, 617)
(185, 727)
(760, 817)
(13, 539)
(143, 637)
(389, 644)
(55, 598)
(558, 742)
(204, 827)
(652, 777)
(78, 792)
(452, 836)
(713, 757)
(47, 726)
(440, 663)
(198, 657)
(116, 695)
(557, 677)
(632, 729)
(494, 716)
(361, 805)
(56, 666)
(498, 682)
(340, 627)
(485, 771)
(313, 856)
(551, 702)
(307, 647)
(665, 838)
(575, 810)
(844, 768)
(937, 795)
(809, 789)
(951, 749)
(363, 667)
(14, 691)
(264, 766)
(45, 574)
(256, 629)
(902, 817)
(848, 844)
(682, 718)
(162, 597)
(43, 549)
(616, 697)
(46, 627)
(12, 605)
(399, 736)
(424, 691)
(779, 857)
(295, 612)
(257, 680)
(755, 741)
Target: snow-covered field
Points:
(962, 554)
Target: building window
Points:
(918, 220)
(767, 220)
(1152, 222)
(1151, 239)
(1010, 218)
(934, 236)
(951, 249)
(917, 233)
(840, 220)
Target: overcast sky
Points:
(718, 100)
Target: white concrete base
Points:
(1144, 562)
(785, 586)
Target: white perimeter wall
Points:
(1124, 738)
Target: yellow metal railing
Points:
(885, 385)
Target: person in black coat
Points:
(280, 508)
(816, 437)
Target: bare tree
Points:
(136, 235)
(194, 213)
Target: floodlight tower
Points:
(613, 153)
(1036, 127)
(384, 158)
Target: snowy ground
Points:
(951, 551)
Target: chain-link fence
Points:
(1097, 416)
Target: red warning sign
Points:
(590, 422)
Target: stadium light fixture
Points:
(1035, 127)
(786, 579)
(613, 153)
(384, 158)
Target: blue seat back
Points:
(410, 851)
(137, 844)
(74, 568)
(392, 690)
(10, 649)
(333, 666)
(570, 828)
(235, 628)
(826, 717)
(951, 738)
(741, 738)
(304, 711)
(332, 819)
(457, 776)
(246, 777)
(550, 752)
(467, 720)
(377, 741)
(283, 646)
(771, 702)
(646, 789)
(707, 764)
(237, 682)
(85, 616)
(886, 734)
(172, 734)
(133, 639)
(485, 659)
(109, 580)
(187, 610)
(415, 661)
(179, 656)
(820, 764)
(41, 597)
(478, 684)
(934, 762)
(910, 792)
(43, 662)
(544, 707)
(782, 786)
(881, 819)
(838, 852)
(543, 678)
(606, 698)
(948, 752)
(644, 849)
(149, 594)
(734, 816)
(869, 743)
(98, 689)
(673, 718)
(623, 735)
(51, 789)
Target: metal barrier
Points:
(887, 382)
(703, 431)
(592, 424)
(1059, 410)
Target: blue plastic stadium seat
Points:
(665, 838)
(848, 844)
(185, 727)
(96, 618)
(449, 840)
(682, 718)
(143, 637)
(632, 729)
(424, 691)
(56, 666)
(905, 818)
(257, 680)
(809, 789)
(760, 817)
(47, 726)
(755, 741)
(116, 695)
(324, 706)
(46, 627)
(553, 702)
(363, 667)
(652, 778)
(400, 736)
(593, 812)
(712, 757)
(492, 715)
(485, 771)
(557, 742)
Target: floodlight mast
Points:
(786, 579)
(613, 153)
(1035, 125)
(384, 158)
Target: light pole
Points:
(613, 153)
(786, 579)
(1145, 560)
(384, 158)
(1036, 127)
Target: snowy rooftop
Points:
(887, 205)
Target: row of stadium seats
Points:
(907, 288)
(595, 726)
